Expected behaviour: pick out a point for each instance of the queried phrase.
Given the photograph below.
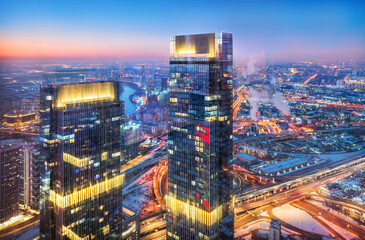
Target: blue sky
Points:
(140, 30)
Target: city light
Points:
(173, 120)
(79, 196)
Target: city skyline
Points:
(43, 31)
(178, 120)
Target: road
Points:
(17, 229)
(314, 210)
(156, 235)
(161, 224)
(19, 132)
(136, 161)
(160, 183)
(320, 178)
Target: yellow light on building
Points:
(86, 193)
(186, 52)
(78, 162)
(104, 156)
(106, 229)
(194, 213)
(78, 93)
(71, 235)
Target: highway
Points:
(156, 235)
(160, 182)
(314, 210)
(307, 81)
(138, 160)
(19, 132)
(18, 229)
(317, 179)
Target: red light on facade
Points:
(206, 204)
(205, 134)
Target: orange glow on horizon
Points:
(30, 47)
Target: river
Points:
(129, 106)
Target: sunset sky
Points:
(140, 30)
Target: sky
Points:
(140, 30)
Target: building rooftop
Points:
(279, 166)
(275, 223)
(246, 156)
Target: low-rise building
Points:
(245, 158)
(283, 167)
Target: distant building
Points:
(30, 105)
(164, 99)
(284, 167)
(133, 137)
(148, 117)
(31, 177)
(357, 83)
(10, 160)
(275, 229)
(150, 86)
(152, 100)
(164, 84)
(19, 117)
(245, 158)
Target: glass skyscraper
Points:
(81, 183)
(199, 201)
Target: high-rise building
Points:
(133, 137)
(81, 183)
(199, 201)
(164, 85)
(31, 177)
(30, 105)
(275, 230)
(150, 86)
(10, 160)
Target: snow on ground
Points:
(139, 192)
(340, 156)
(344, 233)
(299, 218)
(337, 214)
(137, 198)
(334, 157)
(145, 177)
(259, 224)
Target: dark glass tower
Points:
(199, 201)
(81, 183)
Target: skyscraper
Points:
(10, 166)
(31, 177)
(199, 201)
(81, 183)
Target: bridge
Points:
(325, 176)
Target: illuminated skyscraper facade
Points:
(199, 201)
(81, 183)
